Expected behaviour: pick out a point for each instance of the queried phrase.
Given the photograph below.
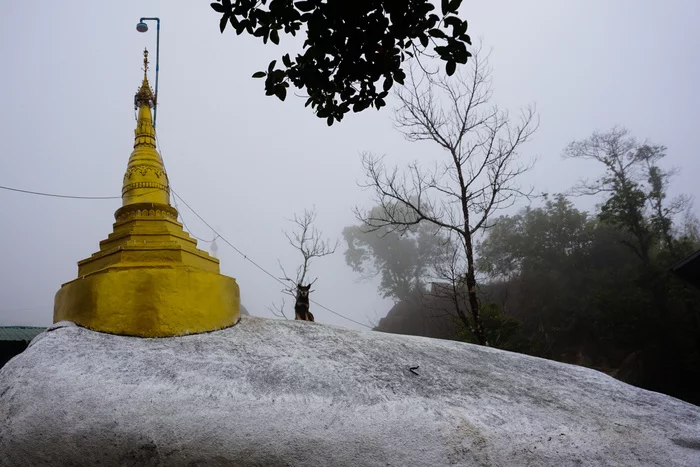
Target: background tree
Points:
(405, 262)
(349, 45)
(309, 241)
(477, 176)
(636, 203)
(635, 186)
(601, 294)
(540, 263)
(582, 296)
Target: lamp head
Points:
(142, 27)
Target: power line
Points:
(225, 240)
(217, 234)
(182, 218)
(338, 314)
(54, 195)
(256, 264)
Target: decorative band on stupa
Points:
(149, 278)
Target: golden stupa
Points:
(149, 279)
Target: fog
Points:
(246, 162)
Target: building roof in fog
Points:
(19, 333)
(689, 268)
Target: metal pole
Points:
(155, 105)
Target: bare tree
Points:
(309, 241)
(476, 177)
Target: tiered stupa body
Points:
(149, 278)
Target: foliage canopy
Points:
(404, 262)
(349, 46)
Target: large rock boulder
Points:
(272, 392)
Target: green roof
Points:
(19, 333)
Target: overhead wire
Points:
(174, 199)
(55, 195)
(182, 219)
(216, 233)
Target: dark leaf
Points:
(445, 7)
(459, 51)
(281, 92)
(443, 51)
(437, 33)
(423, 40)
(329, 120)
(456, 24)
(223, 22)
(274, 36)
(360, 106)
(450, 68)
(454, 6)
(217, 7)
(286, 60)
(388, 83)
(304, 6)
(259, 74)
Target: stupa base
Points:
(150, 301)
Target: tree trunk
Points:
(471, 288)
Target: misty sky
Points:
(246, 162)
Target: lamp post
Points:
(143, 27)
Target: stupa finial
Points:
(145, 61)
(144, 96)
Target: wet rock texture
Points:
(272, 392)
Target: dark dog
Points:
(301, 306)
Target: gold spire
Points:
(145, 180)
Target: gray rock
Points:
(273, 392)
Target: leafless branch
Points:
(309, 241)
(478, 175)
(278, 311)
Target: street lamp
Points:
(143, 27)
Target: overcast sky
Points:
(246, 162)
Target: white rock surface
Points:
(270, 392)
